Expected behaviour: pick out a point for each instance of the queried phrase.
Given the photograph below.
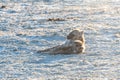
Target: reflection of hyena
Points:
(75, 44)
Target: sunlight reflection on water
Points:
(25, 29)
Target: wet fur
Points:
(75, 44)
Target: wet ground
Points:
(25, 28)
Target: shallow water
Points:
(24, 29)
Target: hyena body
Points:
(75, 44)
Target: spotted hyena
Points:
(74, 44)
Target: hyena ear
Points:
(82, 32)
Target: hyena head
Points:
(76, 35)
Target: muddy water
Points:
(25, 28)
